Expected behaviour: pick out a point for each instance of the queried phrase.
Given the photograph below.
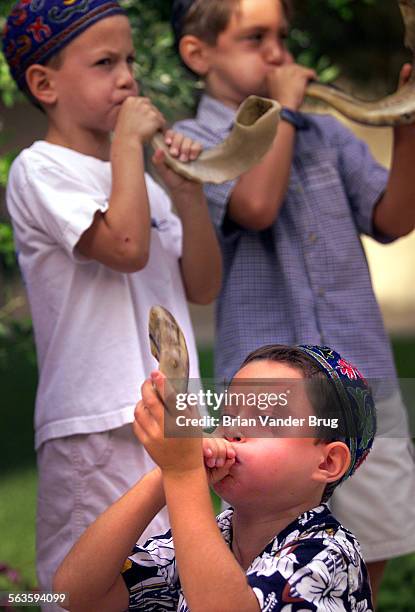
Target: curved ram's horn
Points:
(396, 109)
(168, 346)
(251, 137)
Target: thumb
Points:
(158, 380)
(158, 157)
(217, 474)
(405, 74)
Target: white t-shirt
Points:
(90, 322)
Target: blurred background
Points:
(357, 43)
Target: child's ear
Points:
(195, 54)
(41, 84)
(334, 463)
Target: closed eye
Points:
(105, 61)
(257, 37)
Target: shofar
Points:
(168, 346)
(251, 137)
(396, 109)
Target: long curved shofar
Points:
(251, 137)
(168, 346)
(396, 109)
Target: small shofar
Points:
(168, 346)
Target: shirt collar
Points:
(309, 520)
(211, 111)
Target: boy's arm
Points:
(90, 573)
(209, 574)
(394, 214)
(258, 195)
(120, 237)
(201, 262)
(212, 581)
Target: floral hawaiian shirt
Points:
(313, 564)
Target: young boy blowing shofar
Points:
(294, 266)
(279, 548)
(98, 245)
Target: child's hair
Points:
(206, 19)
(336, 389)
(36, 32)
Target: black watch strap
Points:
(295, 118)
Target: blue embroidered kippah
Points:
(37, 29)
(356, 402)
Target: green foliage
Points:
(8, 88)
(7, 255)
(344, 8)
(158, 68)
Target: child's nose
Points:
(126, 77)
(274, 52)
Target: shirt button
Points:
(312, 237)
(321, 292)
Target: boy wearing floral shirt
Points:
(279, 547)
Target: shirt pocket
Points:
(323, 185)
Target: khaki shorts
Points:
(378, 502)
(79, 477)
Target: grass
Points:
(18, 474)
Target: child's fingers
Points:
(219, 473)
(150, 427)
(158, 157)
(149, 392)
(218, 453)
(207, 451)
(405, 74)
(185, 149)
(195, 150)
(168, 137)
(176, 144)
(142, 417)
(140, 433)
(210, 451)
(230, 451)
(225, 452)
(158, 381)
(152, 401)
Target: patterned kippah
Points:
(179, 10)
(37, 29)
(356, 402)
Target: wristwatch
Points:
(295, 118)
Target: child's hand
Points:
(180, 188)
(181, 146)
(138, 118)
(172, 454)
(219, 456)
(185, 149)
(287, 84)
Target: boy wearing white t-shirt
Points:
(98, 245)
